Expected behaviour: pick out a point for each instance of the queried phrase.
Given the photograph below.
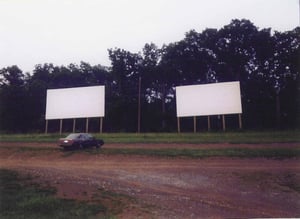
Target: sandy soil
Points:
(156, 187)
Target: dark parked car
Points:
(80, 140)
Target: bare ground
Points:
(156, 187)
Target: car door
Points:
(89, 140)
(80, 141)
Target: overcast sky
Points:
(69, 31)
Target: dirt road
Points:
(170, 187)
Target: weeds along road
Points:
(164, 187)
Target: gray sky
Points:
(69, 31)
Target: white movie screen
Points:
(208, 99)
(82, 102)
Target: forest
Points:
(266, 62)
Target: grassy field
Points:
(254, 137)
(21, 198)
(182, 138)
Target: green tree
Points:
(13, 98)
(284, 73)
(125, 71)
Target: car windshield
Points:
(72, 136)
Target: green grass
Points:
(205, 137)
(32, 137)
(191, 138)
(20, 198)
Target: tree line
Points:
(266, 63)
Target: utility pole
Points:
(139, 106)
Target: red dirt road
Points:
(170, 187)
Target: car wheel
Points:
(100, 142)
